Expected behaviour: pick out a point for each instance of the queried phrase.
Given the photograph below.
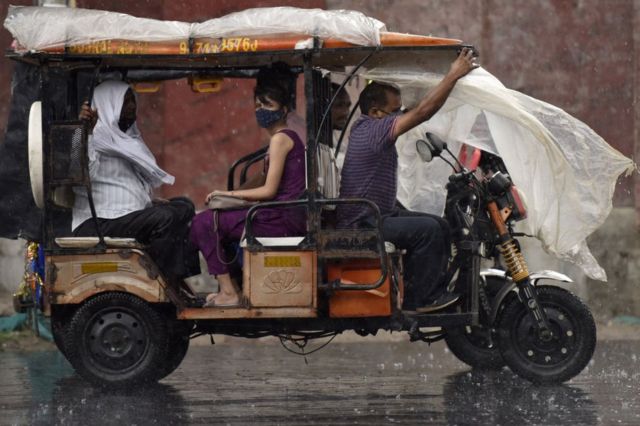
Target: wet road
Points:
(345, 383)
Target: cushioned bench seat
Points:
(276, 241)
(295, 241)
(88, 242)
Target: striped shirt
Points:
(370, 169)
(118, 189)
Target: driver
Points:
(123, 175)
(370, 171)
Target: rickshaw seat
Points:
(88, 242)
(276, 241)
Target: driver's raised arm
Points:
(434, 100)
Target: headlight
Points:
(499, 183)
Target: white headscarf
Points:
(108, 139)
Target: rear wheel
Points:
(477, 346)
(117, 339)
(547, 360)
(60, 319)
(177, 349)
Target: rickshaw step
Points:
(245, 313)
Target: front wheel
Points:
(547, 360)
(477, 346)
(117, 339)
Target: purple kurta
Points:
(274, 222)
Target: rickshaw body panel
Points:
(280, 279)
(248, 314)
(359, 303)
(73, 278)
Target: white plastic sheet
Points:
(565, 170)
(347, 25)
(37, 28)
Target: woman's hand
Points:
(217, 192)
(213, 194)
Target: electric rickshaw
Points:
(120, 322)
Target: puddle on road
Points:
(347, 383)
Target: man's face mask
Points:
(267, 118)
(394, 113)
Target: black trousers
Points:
(426, 239)
(163, 227)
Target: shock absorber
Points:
(514, 260)
(517, 268)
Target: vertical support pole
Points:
(313, 215)
(636, 103)
(46, 222)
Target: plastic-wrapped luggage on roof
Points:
(348, 25)
(38, 28)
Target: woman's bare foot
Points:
(227, 296)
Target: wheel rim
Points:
(546, 352)
(116, 340)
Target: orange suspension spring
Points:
(515, 261)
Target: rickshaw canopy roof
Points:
(253, 37)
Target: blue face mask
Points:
(266, 117)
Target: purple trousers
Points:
(211, 232)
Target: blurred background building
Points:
(580, 55)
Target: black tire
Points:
(176, 351)
(554, 361)
(477, 346)
(59, 325)
(117, 339)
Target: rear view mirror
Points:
(430, 148)
(424, 150)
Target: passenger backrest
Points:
(328, 172)
(68, 159)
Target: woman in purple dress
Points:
(285, 180)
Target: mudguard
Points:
(511, 286)
(73, 278)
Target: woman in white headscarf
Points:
(123, 175)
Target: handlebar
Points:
(462, 176)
